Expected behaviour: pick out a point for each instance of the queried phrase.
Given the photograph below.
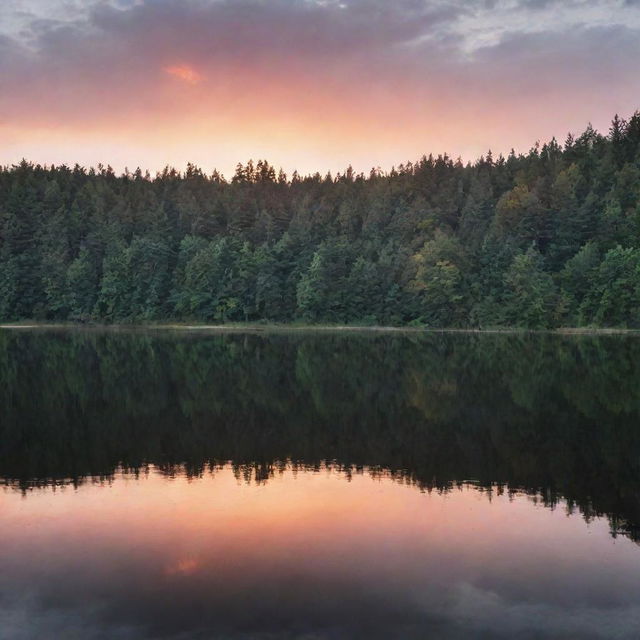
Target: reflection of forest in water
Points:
(553, 416)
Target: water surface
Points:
(165, 485)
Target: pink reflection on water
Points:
(312, 544)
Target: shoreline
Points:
(300, 328)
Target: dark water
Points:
(160, 485)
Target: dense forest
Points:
(544, 239)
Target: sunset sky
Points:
(308, 84)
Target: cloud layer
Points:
(308, 83)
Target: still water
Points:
(318, 486)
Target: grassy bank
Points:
(295, 327)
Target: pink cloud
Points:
(184, 72)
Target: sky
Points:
(312, 85)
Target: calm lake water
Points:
(318, 486)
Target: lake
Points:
(179, 485)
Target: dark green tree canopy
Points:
(544, 239)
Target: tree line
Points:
(539, 240)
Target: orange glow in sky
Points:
(307, 84)
(184, 72)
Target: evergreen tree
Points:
(533, 240)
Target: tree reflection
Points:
(553, 416)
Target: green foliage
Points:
(438, 282)
(81, 285)
(576, 278)
(529, 297)
(208, 282)
(520, 215)
(322, 290)
(614, 297)
(520, 241)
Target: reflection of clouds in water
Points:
(476, 609)
(465, 612)
(25, 618)
(233, 556)
(376, 575)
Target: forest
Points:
(546, 239)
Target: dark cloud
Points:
(127, 35)
(280, 27)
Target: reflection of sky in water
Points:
(313, 556)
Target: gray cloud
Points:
(329, 26)
(287, 31)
